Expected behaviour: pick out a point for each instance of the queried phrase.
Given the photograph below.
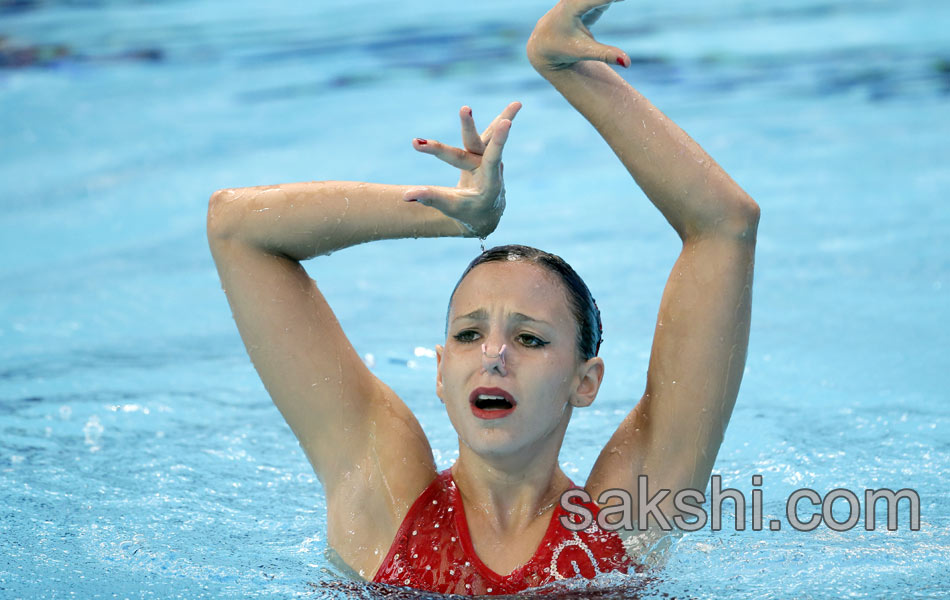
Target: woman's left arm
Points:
(699, 348)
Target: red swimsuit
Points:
(433, 550)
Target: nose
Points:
(494, 362)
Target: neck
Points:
(511, 491)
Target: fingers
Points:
(590, 49)
(591, 16)
(579, 7)
(439, 198)
(470, 137)
(589, 11)
(509, 113)
(492, 157)
(458, 158)
(476, 145)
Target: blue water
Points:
(140, 455)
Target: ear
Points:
(438, 372)
(590, 374)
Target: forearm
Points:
(691, 190)
(303, 220)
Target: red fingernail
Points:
(621, 61)
(421, 141)
(470, 112)
(411, 199)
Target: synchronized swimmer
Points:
(520, 353)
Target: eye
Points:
(531, 341)
(466, 335)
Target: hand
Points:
(478, 201)
(562, 38)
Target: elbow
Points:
(220, 224)
(738, 219)
(746, 219)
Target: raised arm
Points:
(363, 442)
(699, 347)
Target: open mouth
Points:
(491, 403)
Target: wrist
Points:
(466, 231)
(437, 224)
(553, 71)
(542, 65)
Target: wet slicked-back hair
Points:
(583, 307)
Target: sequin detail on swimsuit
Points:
(433, 550)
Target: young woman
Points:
(520, 350)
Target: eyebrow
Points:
(481, 314)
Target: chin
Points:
(495, 442)
(506, 437)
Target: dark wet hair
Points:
(590, 330)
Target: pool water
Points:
(139, 453)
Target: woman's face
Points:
(521, 306)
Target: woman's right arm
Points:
(364, 443)
(258, 236)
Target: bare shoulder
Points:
(621, 458)
(368, 450)
(367, 502)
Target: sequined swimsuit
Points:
(433, 550)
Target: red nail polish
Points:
(411, 199)
(421, 141)
(470, 112)
(621, 61)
